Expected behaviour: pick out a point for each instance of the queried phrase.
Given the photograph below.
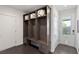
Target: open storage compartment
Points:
(33, 29)
(42, 30)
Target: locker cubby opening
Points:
(42, 24)
(26, 29)
(33, 29)
(25, 32)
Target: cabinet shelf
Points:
(26, 20)
(41, 17)
(32, 39)
(33, 19)
(42, 42)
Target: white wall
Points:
(54, 28)
(77, 34)
(11, 27)
(68, 39)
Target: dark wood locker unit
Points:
(37, 28)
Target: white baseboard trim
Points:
(19, 43)
(53, 49)
(77, 50)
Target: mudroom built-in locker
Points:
(37, 29)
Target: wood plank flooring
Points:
(22, 49)
(64, 49)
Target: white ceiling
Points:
(26, 8)
(29, 8)
(64, 7)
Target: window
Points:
(66, 23)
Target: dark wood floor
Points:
(22, 49)
(64, 49)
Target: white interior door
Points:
(67, 31)
(7, 31)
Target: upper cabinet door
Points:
(41, 12)
(26, 17)
(32, 15)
